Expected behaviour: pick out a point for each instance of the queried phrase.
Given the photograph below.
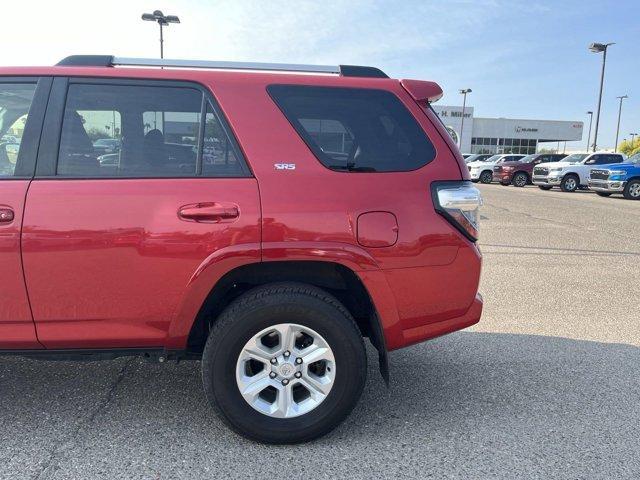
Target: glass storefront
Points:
(503, 145)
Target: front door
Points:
(111, 239)
(22, 104)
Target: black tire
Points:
(631, 188)
(570, 183)
(545, 187)
(486, 176)
(270, 305)
(520, 179)
(603, 194)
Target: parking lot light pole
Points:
(599, 48)
(163, 20)
(464, 92)
(633, 136)
(622, 97)
(590, 113)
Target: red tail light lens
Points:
(459, 203)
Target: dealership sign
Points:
(525, 129)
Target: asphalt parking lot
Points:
(547, 385)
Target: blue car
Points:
(623, 178)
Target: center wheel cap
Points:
(286, 370)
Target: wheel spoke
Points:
(317, 385)
(252, 386)
(284, 402)
(314, 353)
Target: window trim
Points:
(26, 161)
(311, 144)
(47, 160)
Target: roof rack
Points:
(111, 61)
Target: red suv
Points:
(519, 173)
(262, 218)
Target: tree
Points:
(630, 149)
(97, 133)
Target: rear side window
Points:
(144, 132)
(15, 101)
(353, 129)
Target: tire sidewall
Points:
(221, 355)
(565, 179)
(627, 190)
(516, 176)
(486, 175)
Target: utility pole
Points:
(464, 104)
(619, 114)
(590, 113)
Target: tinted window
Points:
(219, 153)
(134, 131)
(351, 129)
(15, 100)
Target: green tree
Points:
(96, 133)
(628, 148)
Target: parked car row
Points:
(605, 173)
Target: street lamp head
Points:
(623, 96)
(589, 112)
(148, 17)
(158, 13)
(599, 47)
(465, 90)
(172, 19)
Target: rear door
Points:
(112, 240)
(22, 105)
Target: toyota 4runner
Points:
(262, 218)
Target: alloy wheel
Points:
(285, 370)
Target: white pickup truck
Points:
(573, 171)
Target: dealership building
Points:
(504, 135)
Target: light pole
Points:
(633, 136)
(163, 20)
(590, 113)
(464, 92)
(622, 97)
(599, 48)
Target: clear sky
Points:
(523, 59)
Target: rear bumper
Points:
(432, 330)
(609, 186)
(415, 304)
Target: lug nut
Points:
(287, 353)
(298, 375)
(274, 361)
(273, 375)
(299, 360)
(285, 382)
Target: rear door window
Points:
(355, 130)
(15, 101)
(143, 131)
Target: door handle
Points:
(6, 215)
(209, 212)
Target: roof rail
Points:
(111, 61)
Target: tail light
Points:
(459, 203)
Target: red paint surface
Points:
(16, 324)
(109, 263)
